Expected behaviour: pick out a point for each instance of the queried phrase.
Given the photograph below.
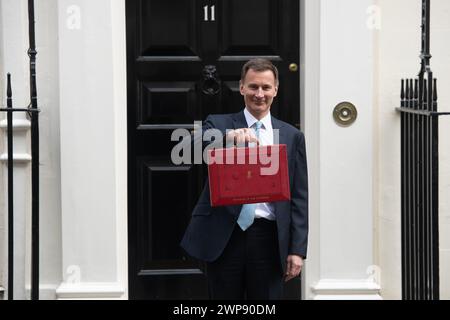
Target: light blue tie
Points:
(247, 215)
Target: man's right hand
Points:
(241, 136)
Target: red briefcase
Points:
(248, 175)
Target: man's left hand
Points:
(293, 267)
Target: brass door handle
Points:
(293, 67)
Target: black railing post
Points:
(9, 120)
(435, 194)
(35, 158)
(404, 175)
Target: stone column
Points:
(93, 149)
(340, 67)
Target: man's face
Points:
(259, 89)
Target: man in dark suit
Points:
(250, 260)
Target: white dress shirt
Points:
(263, 210)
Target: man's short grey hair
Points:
(260, 65)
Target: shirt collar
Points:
(251, 120)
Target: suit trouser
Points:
(249, 267)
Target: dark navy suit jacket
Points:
(210, 228)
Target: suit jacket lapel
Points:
(278, 125)
(239, 120)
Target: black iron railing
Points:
(33, 113)
(420, 177)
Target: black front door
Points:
(184, 62)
